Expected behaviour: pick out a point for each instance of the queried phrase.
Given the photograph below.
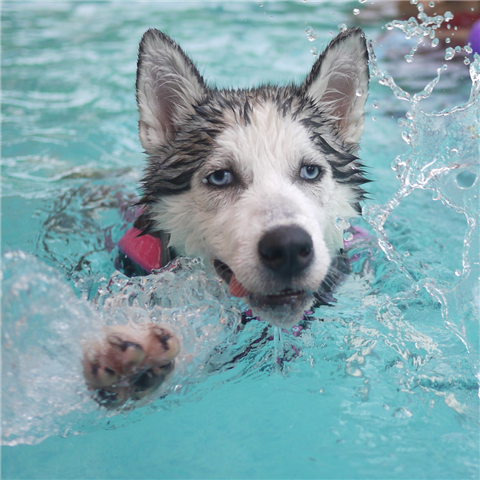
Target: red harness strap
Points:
(144, 250)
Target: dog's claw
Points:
(129, 362)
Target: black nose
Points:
(286, 250)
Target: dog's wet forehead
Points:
(268, 144)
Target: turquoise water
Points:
(386, 386)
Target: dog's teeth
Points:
(237, 289)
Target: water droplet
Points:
(458, 273)
(311, 34)
(431, 4)
(466, 61)
(359, 92)
(341, 223)
(465, 179)
(447, 40)
(389, 26)
(342, 27)
(356, 11)
(413, 2)
(468, 48)
(348, 236)
(314, 51)
(375, 104)
(453, 152)
(406, 137)
(409, 58)
(458, 49)
(374, 119)
(362, 1)
(448, 16)
(402, 122)
(434, 42)
(449, 53)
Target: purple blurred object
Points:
(474, 37)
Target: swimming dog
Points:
(253, 181)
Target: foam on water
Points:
(42, 328)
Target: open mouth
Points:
(227, 275)
(286, 296)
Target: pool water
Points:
(384, 384)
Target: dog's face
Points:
(254, 181)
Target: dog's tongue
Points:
(237, 289)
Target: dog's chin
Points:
(282, 309)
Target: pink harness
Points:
(144, 250)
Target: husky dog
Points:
(254, 181)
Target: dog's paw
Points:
(129, 362)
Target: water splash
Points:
(426, 30)
(443, 157)
(45, 325)
(311, 34)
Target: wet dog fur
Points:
(254, 181)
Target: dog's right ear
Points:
(168, 87)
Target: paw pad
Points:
(129, 362)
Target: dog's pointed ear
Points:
(338, 84)
(168, 88)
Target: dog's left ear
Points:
(338, 83)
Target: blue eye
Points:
(219, 178)
(310, 172)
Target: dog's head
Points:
(254, 181)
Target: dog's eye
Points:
(310, 172)
(219, 178)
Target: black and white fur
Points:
(253, 181)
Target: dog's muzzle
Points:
(286, 252)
